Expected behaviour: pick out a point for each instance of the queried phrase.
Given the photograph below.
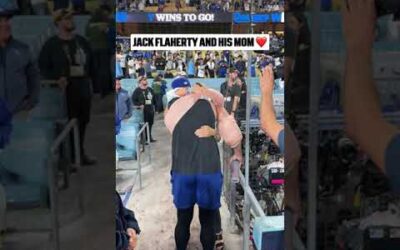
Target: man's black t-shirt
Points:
(190, 154)
(229, 94)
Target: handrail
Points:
(71, 126)
(144, 128)
(252, 198)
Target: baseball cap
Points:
(7, 8)
(180, 82)
(60, 14)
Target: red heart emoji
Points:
(261, 41)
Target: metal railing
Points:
(144, 129)
(71, 127)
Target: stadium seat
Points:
(29, 164)
(129, 85)
(51, 105)
(126, 141)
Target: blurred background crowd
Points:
(201, 5)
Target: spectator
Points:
(140, 70)
(231, 91)
(222, 68)
(201, 69)
(211, 68)
(160, 64)
(240, 65)
(121, 59)
(241, 110)
(191, 71)
(67, 58)
(170, 63)
(126, 226)
(131, 67)
(97, 34)
(20, 81)
(159, 87)
(143, 97)
(123, 104)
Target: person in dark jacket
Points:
(67, 58)
(126, 226)
(19, 74)
(123, 105)
(143, 97)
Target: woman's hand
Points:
(205, 131)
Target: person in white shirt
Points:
(131, 68)
(201, 69)
(211, 68)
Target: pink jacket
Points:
(227, 126)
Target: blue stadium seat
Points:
(129, 85)
(126, 141)
(28, 163)
(51, 105)
(37, 25)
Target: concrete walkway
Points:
(153, 204)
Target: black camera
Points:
(386, 7)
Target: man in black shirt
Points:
(160, 64)
(241, 109)
(231, 92)
(67, 58)
(143, 97)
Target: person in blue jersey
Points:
(196, 176)
(222, 68)
(364, 120)
(191, 69)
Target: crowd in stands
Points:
(214, 6)
(42, 7)
(193, 64)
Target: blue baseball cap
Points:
(8, 8)
(180, 82)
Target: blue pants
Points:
(201, 189)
